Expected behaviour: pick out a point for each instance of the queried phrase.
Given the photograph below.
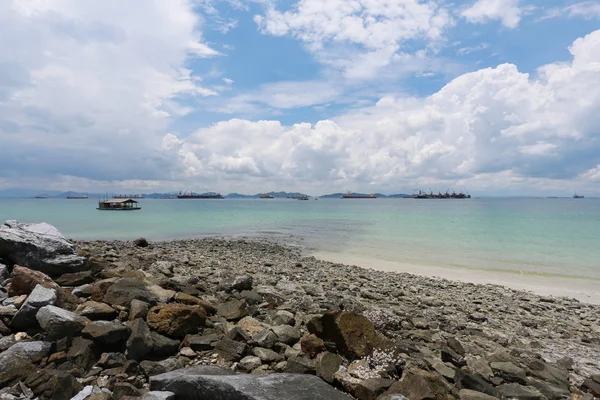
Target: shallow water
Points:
(547, 237)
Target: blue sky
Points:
(492, 96)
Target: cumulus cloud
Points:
(584, 9)
(86, 88)
(492, 126)
(507, 11)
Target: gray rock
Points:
(75, 278)
(300, 365)
(159, 395)
(140, 341)
(4, 330)
(266, 355)
(552, 392)
(592, 386)
(95, 310)
(8, 311)
(39, 297)
(520, 392)
(249, 363)
(4, 272)
(35, 351)
(233, 310)
(216, 383)
(151, 368)
(163, 346)
(230, 350)
(369, 389)
(240, 283)
(265, 338)
(283, 317)
(202, 342)
(138, 309)
(39, 246)
(81, 354)
(106, 332)
(16, 363)
(287, 334)
(466, 394)
(508, 371)
(124, 389)
(111, 360)
(123, 291)
(327, 364)
(59, 323)
(549, 373)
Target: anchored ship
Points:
(578, 196)
(77, 197)
(349, 195)
(192, 195)
(440, 195)
(267, 196)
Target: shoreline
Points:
(582, 289)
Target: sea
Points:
(536, 237)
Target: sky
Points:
(493, 97)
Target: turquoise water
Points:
(553, 237)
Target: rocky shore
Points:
(249, 319)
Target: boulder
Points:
(60, 323)
(138, 309)
(14, 367)
(140, 341)
(81, 353)
(122, 390)
(250, 326)
(176, 320)
(354, 335)
(39, 297)
(312, 345)
(39, 246)
(549, 373)
(35, 350)
(201, 342)
(283, 317)
(266, 355)
(520, 392)
(466, 394)
(95, 310)
(369, 389)
(508, 372)
(140, 242)
(239, 283)
(24, 280)
(124, 290)
(163, 295)
(230, 350)
(287, 334)
(159, 395)
(592, 386)
(53, 384)
(163, 346)
(216, 383)
(106, 332)
(300, 365)
(111, 360)
(417, 384)
(233, 310)
(467, 380)
(75, 278)
(249, 363)
(327, 364)
(265, 338)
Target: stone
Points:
(230, 350)
(370, 389)
(163, 346)
(233, 310)
(111, 360)
(251, 297)
(549, 373)
(508, 372)
(39, 297)
(125, 389)
(444, 370)
(466, 380)
(592, 386)
(201, 342)
(162, 268)
(81, 353)
(456, 346)
(24, 280)
(124, 290)
(417, 384)
(39, 246)
(266, 355)
(176, 320)
(250, 325)
(87, 392)
(520, 392)
(283, 317)
(4, 330)
(14, 366)
(140, 242)
(106, 332)
(140, 341)
(265, 338)
(286, 334)
(187, 352)
(552, 392)
(59, 323)
(96, 311)
(53, 384)
(354, 335)
(217, 383)
(466, 394)
(300, 365)
(188, 299)
(327, 364)
(4, 272)
(480, 367)
(239, 283)
(8, 311)
(151, 368)
(34, 351)
(312, 345)
(75, 278)
(249, 363)
(159, 395)
(237, 334)
(138, 309)
(163, 295)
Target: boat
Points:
(42, 196)
(118, 205)
(128, 196)
(440, 195)
(359, 196)
(301, 197)
(192, 195)
(267, 196)
(578, 196)
(77, 197)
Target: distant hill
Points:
(400, 196)
(20, 192)
(239, 196)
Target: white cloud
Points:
(228, 81)
(584, 9)
(492, 128)
(507, 11)
(358, 36)
(473, 49)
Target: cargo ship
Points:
(76, 197)
(359, 196)
(578, 196)
(447, 195)
(192, 195)
(267, 196)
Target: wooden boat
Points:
(118, 205)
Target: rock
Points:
(87, 392)
(549, 373)
(286, 334)
(111, 360)
(66, 299)
(592, 386)
(159, 395)
(520, 392)
(53, 384)
(417, 384)
(75, 278)
(188, 299)
(162, 267)
(466, 394)
(163, 295)
(176, 320)
(4, 272)
(312, 345)
(138, 309)
(40, 247)
(163, 346)
(508, 371)
(251, 297)
(233, 310)
(283, 317)
(456, 346)
(466, 380)
(59, 323)
(140, 242)
(8, 311)
(124, 290)
(81, 354)
(265, 338)
(250, 326)
(353, 334)
(327, 364)
(552, 392)
(480, 367)
(239, 283)
(125, 389)
(249, 363)
(369, 389)
(201, 343)
(151, 368)
(216, 383)
(34, 351)
(39, 297)
(105, 332)
(14, 367)
(24, 280)
(95, 311)
(230, 350)
(300, 365)
(444, 370)
(266, 355)
(140, 342)
(187, 352)
(237, 334)
(4, 331)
